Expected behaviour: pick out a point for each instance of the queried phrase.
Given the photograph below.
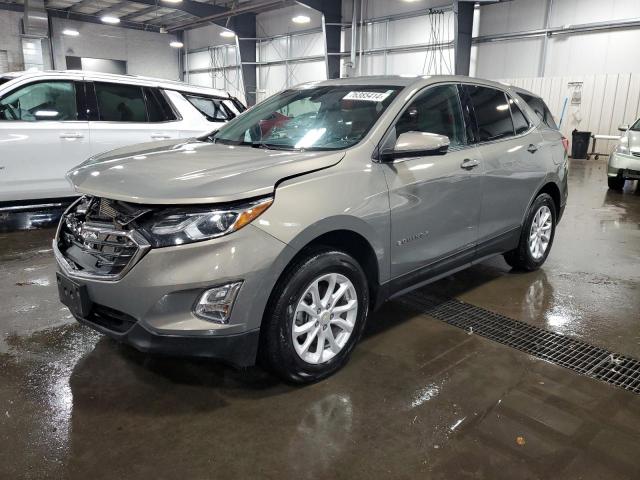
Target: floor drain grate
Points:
(567, 352)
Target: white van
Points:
(52, 121)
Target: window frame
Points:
(230, 115)
(80, 103)
(93, 107)
(512, 103)
(469, 143)
(469, 105)
(159, 91)
(543, 120)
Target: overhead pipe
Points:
(251, 7)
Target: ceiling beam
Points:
(111, 9)
(89, 18)
(197, 9)
(221, 17)
(139, 13)
(167, 18)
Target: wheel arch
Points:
(350, 234)
(552, 189)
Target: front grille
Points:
(110, 318)
(579, 356)
(636, 154)
(93, 243)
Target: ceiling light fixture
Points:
(70, 32)
(110, 19)
(227, 34)
(301, 19)
(172, 1)
(176, 44)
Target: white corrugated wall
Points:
(608, 100)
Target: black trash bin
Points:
(580, 144)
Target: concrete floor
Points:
(419, 399)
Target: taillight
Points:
(565, 144)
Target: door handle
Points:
(469, 164)
(532, 148)
(71, 135)
(160, 136)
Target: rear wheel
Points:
(615, 183)
(315, 317)
(536, 237)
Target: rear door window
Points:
(492, 113)
(541, 110)
(158, 108)
(120, 103)
(212, 108)
(520, 122)
(54, 100)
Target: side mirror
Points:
(417, 144)
(623, 128)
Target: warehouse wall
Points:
(207, 64)
(576, 54)
(607, 101)
(10, 39)
(146, 53)
(277, 76)
(404, 32)
(11, 42)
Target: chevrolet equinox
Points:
(277, 235)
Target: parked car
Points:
(53, 121)
(280, 244)
(624, 162)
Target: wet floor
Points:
(419, 399)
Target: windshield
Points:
(318, 118)
(636, 126)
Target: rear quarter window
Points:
(541, 110)
(212, 108)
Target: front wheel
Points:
(315, 316)
(536, 237)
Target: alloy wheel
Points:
(324, 318)
(540, 233)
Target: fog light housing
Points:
(216, 303)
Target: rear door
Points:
(551, 146)
(43, 134)
(512, 172)
(129, 114)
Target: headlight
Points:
(175, 226)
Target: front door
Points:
(435, 200)
(41, 138)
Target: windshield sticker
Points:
(368, 96)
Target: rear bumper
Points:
(238, 350)
(627, 166)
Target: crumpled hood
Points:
(170, 172)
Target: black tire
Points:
(521, 257)
(615, 183)
(277, 351)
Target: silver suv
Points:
(277, 235)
